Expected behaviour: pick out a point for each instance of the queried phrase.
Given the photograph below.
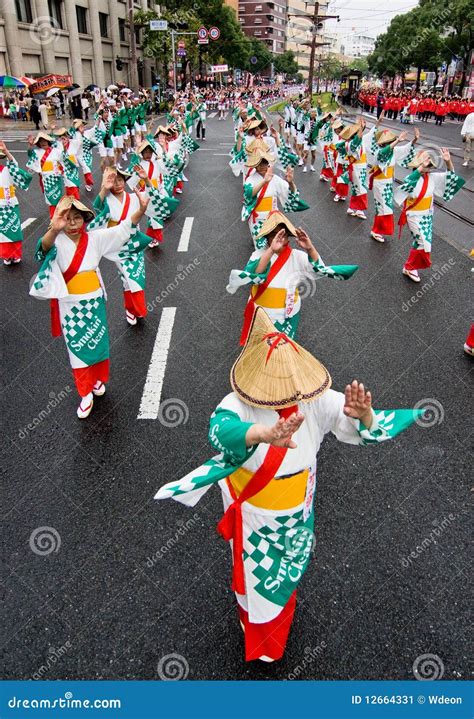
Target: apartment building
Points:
(265, 21)
(299, 31)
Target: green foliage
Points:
(286, 64)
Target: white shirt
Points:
(468, 125)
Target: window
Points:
(257, 32)
(258, 8)
(122, 29)
(81, 17)
(103, 21)
(23, 10)
(258, 20)
(54, 7)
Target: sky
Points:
(365, 15)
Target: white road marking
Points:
(151, 396)
(221, 154)
(212, 114)
(27, 222)
(185, 234)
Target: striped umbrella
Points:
(27, 80)
(9, 81)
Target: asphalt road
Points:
(132, 581)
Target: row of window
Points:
(24, 14)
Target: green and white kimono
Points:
(281, 298)
(11, 235)
(278, 522)
(49, 164)
(416, 194)
(80, 298)
(275, 195)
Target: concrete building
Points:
(265, 21)
(81, 38)
(299, 32)
(357, 45)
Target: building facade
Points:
(357, 45)
(299, 32)
(82, 38)
(265, 21)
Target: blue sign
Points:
(253, 60)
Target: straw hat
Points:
(349, 131)
(273, 371)
(274, 219)
(428, 156)
(383, 137)
(124, 173)
(68, 201)
(42, 136)
(253, 124)
(2, 155)
(257, 144)
(61, 132)
(78, 123)
(255, 158)
(337, 124)
(165, 129)
(143, 145)
(326, 115)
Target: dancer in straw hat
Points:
(264, 191)
(268, 431)
(46, 158)
(385, 153)
(416, 196)
(69, 276)
(276, 270)
(11, 233)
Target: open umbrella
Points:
(92, 87)
(112, 87)
(27, 80)
(75, 93)
(126, 90)
(9, 81)
(52, 92)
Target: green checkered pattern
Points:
(424, 231)
(294, 203)
(10, 223)
(53, 189)
(20, 177)
(453, 185)
(387, 195)
(409, 183)
(286, 157)
(409, 157)
(85, 331)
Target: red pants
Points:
(88, 178)
(86, 377)
(383, 225)
(11, 250)
(358, 202)
(418, 260)
(135, 303)
(470, 337)
(155, 234)
(268, 639)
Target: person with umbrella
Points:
(35, 114)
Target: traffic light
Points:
(118, 63)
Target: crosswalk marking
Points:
(185, 234)
(27, 222)
(151, 396)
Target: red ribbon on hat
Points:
(277, 336)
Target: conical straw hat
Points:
(383, 137)
(425, 156)
(273, 371)
(349, 132)
(255, 158)
(68, 201)
(42, 136)
(274, 219)
(257, 144)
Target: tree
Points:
(361, 64)
(286, 64)
(261, 53)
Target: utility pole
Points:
(133, 67)
(315, 19)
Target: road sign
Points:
(203, 42)
(214, 33)
(202, 33)
(158, 24)
(253, 60)
(219, 68)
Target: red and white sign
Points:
(219, 68)
(214, 33)
(50, 81)
(202, 33)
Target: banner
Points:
(219, 68)
(49, 81)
